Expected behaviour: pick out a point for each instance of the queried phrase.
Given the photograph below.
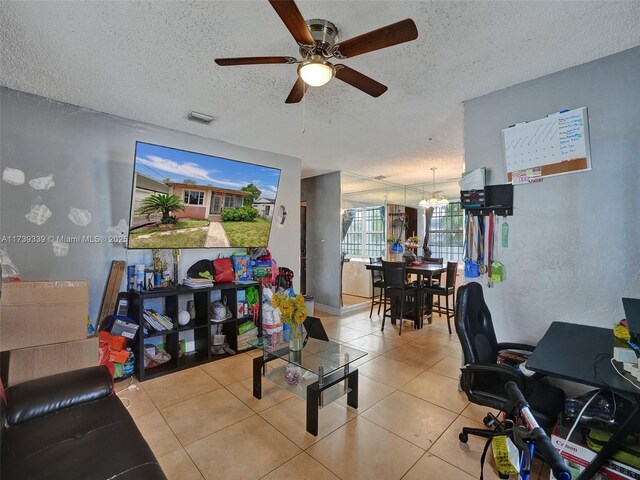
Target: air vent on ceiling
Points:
(200, 118)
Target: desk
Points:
(327, 370)
(428, 270)
(569, 351)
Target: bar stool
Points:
(447, 290)
(396, 290)
(435, 280)
(377, 281)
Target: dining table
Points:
(424, 273)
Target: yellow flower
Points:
(287, 310)
(292, 309)
(276, 300)
(301, 315)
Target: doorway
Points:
(216, 204)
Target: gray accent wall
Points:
(574, 246)
(322, 194)
(90, 155)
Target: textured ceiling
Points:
(153, 62)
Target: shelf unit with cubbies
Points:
(191, 344)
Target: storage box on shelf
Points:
(198, 333)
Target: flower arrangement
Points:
(292, 309)
(411, 242)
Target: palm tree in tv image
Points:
(161, 202)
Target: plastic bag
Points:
(223, 267)
(9, 270)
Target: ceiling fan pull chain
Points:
(304, 102)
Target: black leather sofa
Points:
(72, 426)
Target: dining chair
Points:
(397, 290)
(435, 279)
(447, 290)
(377, 281)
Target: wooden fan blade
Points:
(384, 37)
(288, 12)
(253, 60)
(360, 81)
(297, 92)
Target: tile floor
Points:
(204, 423)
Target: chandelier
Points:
(436, 198)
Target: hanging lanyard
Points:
(490, 249)
(465, 247)
(473, 238)
(479, 240)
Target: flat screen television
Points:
(182, 199)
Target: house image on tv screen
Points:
(204, 201)
(265, 207)
(184, 199)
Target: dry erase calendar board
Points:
(554, 145)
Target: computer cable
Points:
(131, 386)
(575, 424)
(624, 376)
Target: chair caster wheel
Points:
(463, 437)
(488, 421)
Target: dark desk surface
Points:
(571, 352)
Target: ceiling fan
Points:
(317, 42)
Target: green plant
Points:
(255, 194)
(239, 214)
(161, 202)
(169, 220)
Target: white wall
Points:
(574, 246)
(322, 194)
(90, 155)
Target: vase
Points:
(191, 308)
(295, 337)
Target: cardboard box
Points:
(35, 362)
(124, 328)
(42, 313)
(580, 456)
(118, 356)
(116, 342)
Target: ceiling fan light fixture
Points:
(316, 71)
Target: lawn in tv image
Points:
(184, 199)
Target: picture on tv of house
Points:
(184, 199)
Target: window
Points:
(267, 209)
(446, 237)
(193, 197)
(231, 201)
(365, 235)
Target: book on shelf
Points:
(157, 321)
(197, 282)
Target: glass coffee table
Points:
(320, 373)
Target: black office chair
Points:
(483, 379)
(377, 281)
(396, 290)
